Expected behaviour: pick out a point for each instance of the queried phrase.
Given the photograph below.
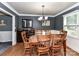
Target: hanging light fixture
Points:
(43, 17)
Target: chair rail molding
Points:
(13, 26)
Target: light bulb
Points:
(46, 17)
(40, 18)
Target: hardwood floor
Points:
(71, 52)
(17, 50)
(4, 46)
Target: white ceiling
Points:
(34, 8)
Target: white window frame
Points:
(73, 33)
(71, 14)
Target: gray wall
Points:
(59, 18)
(36, 23)
(8, 22)
(7, 28)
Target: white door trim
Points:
(13, 25)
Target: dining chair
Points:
(34, 44)
(26, 43)
(56, 44)
(44, 45)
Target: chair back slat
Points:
(44, 39)
(24, 38)
(44, 44)
(57, 40)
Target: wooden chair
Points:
(44, 44)
(64, 35)
(26, 43)
(56, 44)
(34, 44)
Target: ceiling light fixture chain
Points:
(43, 11)
(43, 17)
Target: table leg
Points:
(64, 46)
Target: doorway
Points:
(13, 33)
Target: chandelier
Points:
(43, 17)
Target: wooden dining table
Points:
(34, 40)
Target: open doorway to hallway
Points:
(5, 31)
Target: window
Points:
(71, 23)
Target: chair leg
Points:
(57, 53)
(24, 51)
(51, 53)
(48, 53)
(38, 54)
(27, 52)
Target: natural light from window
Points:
(71, 23)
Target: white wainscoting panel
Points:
(73, 43)
(5, 36)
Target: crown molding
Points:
(34, 15)
(71, 13)
(7, 5)
(73, 6)
(12, 9)
(1, 9)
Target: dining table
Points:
(34, 40)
